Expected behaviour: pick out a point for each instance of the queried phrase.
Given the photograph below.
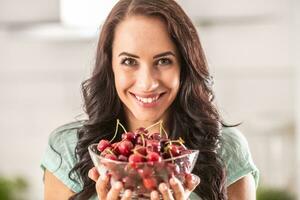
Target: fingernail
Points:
(172, 181)
(103, 177)
(195, 180)
(163, 187)
(127, 193)
(154, 195)
(118, 185)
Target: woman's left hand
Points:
(180, 192)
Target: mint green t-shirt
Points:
(59, 157)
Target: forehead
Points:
(142, 34)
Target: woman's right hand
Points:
(103, 189)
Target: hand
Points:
(180, 193)
(104, 192)
(103, 189)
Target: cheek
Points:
(122, 80)
(172, 80)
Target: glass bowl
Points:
(143, 177)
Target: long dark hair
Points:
(194, 117)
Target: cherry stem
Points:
(170, 152)
(122, 127)
(153, 125)
(160, 128)
(116, 130)
(109, 151)
(165, 132)
(143, 139)
(180, 141)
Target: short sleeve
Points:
(194, 196)
(236, 155)
(59, 157)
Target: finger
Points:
(165, 191)
(102, 186)
(154, 195)
(177, 188)
(115, 191)
(127, 195)
(192, 181)
(93, 174)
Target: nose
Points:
(147, 79)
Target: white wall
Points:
(15, 11)
(295, 46)
(250, 58)
(40, 90)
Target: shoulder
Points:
(65, 134)
(59, 157)
(68, 127)
(233, 139)
(236, 155)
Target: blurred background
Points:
(47, 48)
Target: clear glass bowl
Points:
(141, 178)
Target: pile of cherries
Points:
(144, 159)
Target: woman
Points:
(150, 66)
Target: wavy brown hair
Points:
(194, 117)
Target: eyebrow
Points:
(156, 56)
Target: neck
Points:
(134, 124)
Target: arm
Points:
(54, 188)
(243, 189)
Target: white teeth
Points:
(147, 100)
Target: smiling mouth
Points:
(148, 100)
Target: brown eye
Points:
(128, 62)
(164, 61)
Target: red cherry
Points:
(185, 151)
(163, 141)
(111, 156)
(134, 159)
(166, 155)
(107, 150)
(173, 169)
(114, 145)
(150, 183)
(141, 130)
(153, 157)
(125, 147)
(122, 158)
(103, 144)
(146, 172)
(139, 140)
(155, 136)
(141, 150)
(182, 148)
(174, 150)
(153, 146)
(129, 136)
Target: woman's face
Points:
(146, 68)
